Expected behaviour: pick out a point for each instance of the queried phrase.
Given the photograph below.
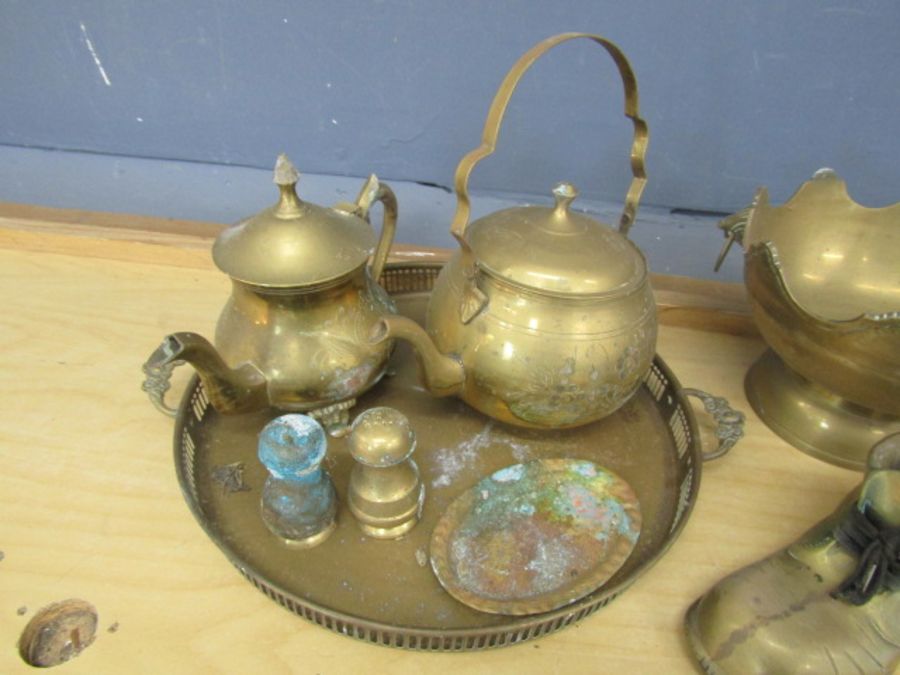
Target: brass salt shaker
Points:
(298, 500)
(386, 493)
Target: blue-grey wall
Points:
(736, 93)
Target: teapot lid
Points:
(294, 243)
(555, 250)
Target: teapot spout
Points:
(230, 390)
(443, 374)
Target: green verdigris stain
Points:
(535, 527)
(574, 497)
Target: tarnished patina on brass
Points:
(817, 606)
(544, 317)
(384, 592)
(294, 333)
(298, 503)
(385, 494)
(823, 276)
(535, 536)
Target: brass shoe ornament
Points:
(544, 317)
(829, 603)
(294, 334)
(823, 279)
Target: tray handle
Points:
(729, 422)
(157, 381)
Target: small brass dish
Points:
(823, 276)
(536, 536)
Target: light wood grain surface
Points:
(91, 508)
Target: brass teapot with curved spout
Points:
(544, 317)
(294, 333)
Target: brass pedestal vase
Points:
(823, 280)
(829, 603)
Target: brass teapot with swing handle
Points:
(544, 317)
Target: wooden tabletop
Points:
(92, 510)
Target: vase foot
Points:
(812, 418)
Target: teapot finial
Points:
(285, 171)
(286, 177)
(565, 194)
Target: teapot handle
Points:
(375, 191)
(498, 109)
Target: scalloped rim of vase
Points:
(824, 181)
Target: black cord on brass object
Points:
(878, 546)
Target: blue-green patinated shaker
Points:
(298, 501)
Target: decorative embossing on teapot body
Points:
(538, 360)
(312, 346)
(544, 317)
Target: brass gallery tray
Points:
(384, 591)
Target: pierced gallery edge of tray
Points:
(384, 591)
